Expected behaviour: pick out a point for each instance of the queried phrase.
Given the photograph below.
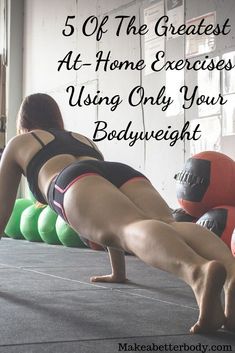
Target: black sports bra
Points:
(63, 143)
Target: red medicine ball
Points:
(206, 181)
(221, 221)
(180, 215)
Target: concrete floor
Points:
(47, 304)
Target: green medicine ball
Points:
(67, 235)
(46, 226)
(13, 226)
(29, 223)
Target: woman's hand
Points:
(117, 261)
(109, 279)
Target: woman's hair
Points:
(39, 111)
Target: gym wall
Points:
(44, 45)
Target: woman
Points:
(114, 205)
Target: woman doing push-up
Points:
(114, 205)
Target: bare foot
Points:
(209, 284)
(230, 306)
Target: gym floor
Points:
(47, 304)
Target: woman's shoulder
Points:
(18, 139)
(17, 142)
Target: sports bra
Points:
(63, 143)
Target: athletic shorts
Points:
(116, 173)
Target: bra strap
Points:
(38, 139)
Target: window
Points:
(3, 35)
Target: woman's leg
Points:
(200, 239)
(142, 193)
(102, 213)
(210, 246)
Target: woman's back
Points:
(42, 154)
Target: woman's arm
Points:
(117, 260)
(10, 175)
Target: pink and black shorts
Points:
(116, 173)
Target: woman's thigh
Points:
(148, 200)
(100, 211)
